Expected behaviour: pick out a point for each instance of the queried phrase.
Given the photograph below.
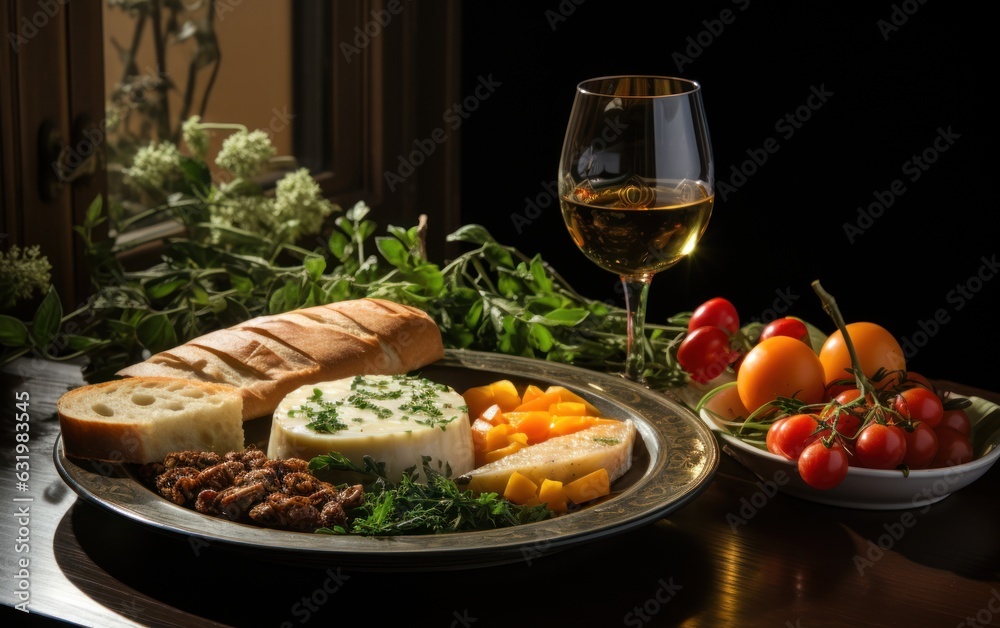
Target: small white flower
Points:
(22, 272)
(195, 137)
(154, 166)
(298, 198)
(244, 153)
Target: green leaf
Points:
(543, 282)
(93, 215)
(406, 236)
(509, 286)
(13, 332)
(365, 229)
(474, 314)
(498, 256)
(315, 266)
(82, 343)
(540, 337)
(344, 222)
(428, 277)
(562, 316)
(392, 250)
(475, 234)
(165, 288)
(156, 333)
(242, 284)
(47, 319)
(338, 243)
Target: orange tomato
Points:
(780, 366)
(875, 346)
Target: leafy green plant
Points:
(492, 297)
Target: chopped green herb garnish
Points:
(605, 440)
(412, 507)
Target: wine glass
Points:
(636, 183)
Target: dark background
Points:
(894, 87)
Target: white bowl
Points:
(875, 489)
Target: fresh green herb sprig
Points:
(492, 297)
(411, 507)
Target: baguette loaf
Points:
(270, 356)
(141, 420)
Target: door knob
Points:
(61, 163)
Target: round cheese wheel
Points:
(398, 420)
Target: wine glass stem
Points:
(636, 291)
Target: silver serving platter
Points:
(674, 458)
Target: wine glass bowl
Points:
(636, 183)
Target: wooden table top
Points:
(792, 563)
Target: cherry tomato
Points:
(923, 405)
(796, 434)
(953, 448)
(823, 467)
(780, 366)
(704, 353)
(880, 447)
(773, 434)
(791, 327)
(717, 312)
(848, 421)
(956, 420)
(875, 346)
(921, 446)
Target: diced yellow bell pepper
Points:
(496, 437)
(591, 486)
(552, 494)
(568, 408)
(497, 454)
(520, 489)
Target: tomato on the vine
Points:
(957, 419)
(773, 434)
(880, 446)
(704, 353)
(791, 327)
(921, 446)
(823, 467)
(717, 312)
(953, 448)
(923, 405)
(780, 367)
(798, 432)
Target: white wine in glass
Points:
(636, 183)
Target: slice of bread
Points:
(142, 419)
